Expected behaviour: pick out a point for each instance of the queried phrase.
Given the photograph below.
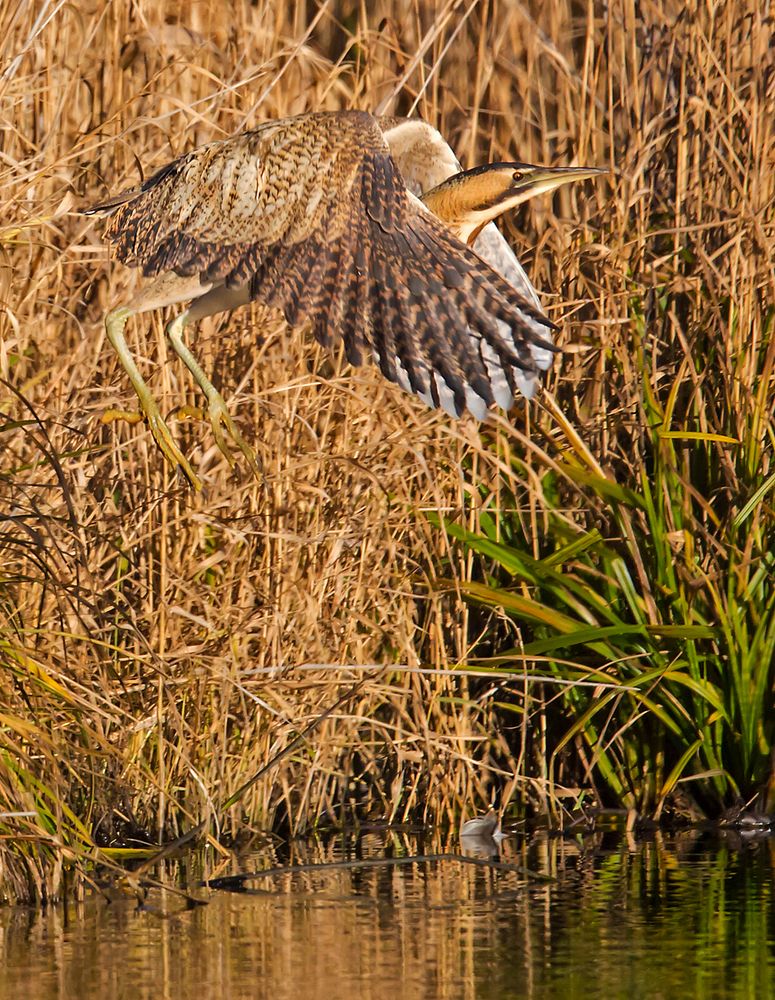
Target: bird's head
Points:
(469, 200)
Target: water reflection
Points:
(679, 917)
(481, 836)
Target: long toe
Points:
(128, 416)
(170, 450)
(244, 447)
(220, 415)
(248, 452)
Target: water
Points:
(689, 916)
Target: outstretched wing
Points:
(313, 215)
(425, 159)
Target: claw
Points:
(220, 415)
(163, 438)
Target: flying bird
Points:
(365, 228)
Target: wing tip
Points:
(110, 205)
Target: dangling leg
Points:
(166, 290)
(217, 411)
(114, 325)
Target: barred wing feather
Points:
(313, 216)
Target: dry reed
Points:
(157, 647)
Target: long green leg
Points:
(217, 410)
(115, 322)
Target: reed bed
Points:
(158, 647)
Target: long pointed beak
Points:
(467, 201)
(539, 180)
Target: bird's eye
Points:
(517, 175)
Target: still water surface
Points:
(688, 916)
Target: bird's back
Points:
(280, 181)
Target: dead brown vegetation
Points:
(158, 647)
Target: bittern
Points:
(319, 216)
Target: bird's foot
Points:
(220, 415)
(128, 416)
(161, 435)
(189, 413)
(163, 438)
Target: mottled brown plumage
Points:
(311, 215)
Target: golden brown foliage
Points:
(157, 647)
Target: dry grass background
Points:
(158, 647)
